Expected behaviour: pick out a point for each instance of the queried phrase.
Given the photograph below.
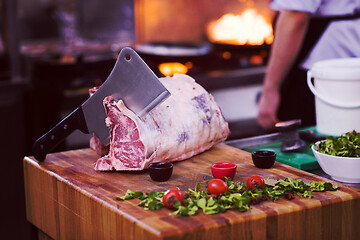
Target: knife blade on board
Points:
(254, 141)
(130, 80)
(291, 138)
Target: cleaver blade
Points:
(130, 80)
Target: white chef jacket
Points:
(341, 39)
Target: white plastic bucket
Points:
(337, 95)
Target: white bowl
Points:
(343, 169)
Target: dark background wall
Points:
(12, 151)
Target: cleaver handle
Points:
(51, 139)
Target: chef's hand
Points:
(268, 106)
(290, 28)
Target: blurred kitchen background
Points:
(53, 51)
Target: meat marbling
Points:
(185, 124)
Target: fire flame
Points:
(247, 28)
(170, 68)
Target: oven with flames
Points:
(224, 45)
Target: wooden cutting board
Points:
(67, 199)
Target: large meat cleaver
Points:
(130, 80)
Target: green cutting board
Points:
(303, 159)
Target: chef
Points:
(306, 31)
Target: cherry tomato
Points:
(171, 196)
(217, 186)
(255, 182)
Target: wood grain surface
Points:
(67, 199)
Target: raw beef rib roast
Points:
(185, 124)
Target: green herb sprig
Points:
(150, 201)
(238, 197)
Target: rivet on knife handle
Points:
(51, 139)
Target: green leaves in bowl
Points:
(347, 145)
